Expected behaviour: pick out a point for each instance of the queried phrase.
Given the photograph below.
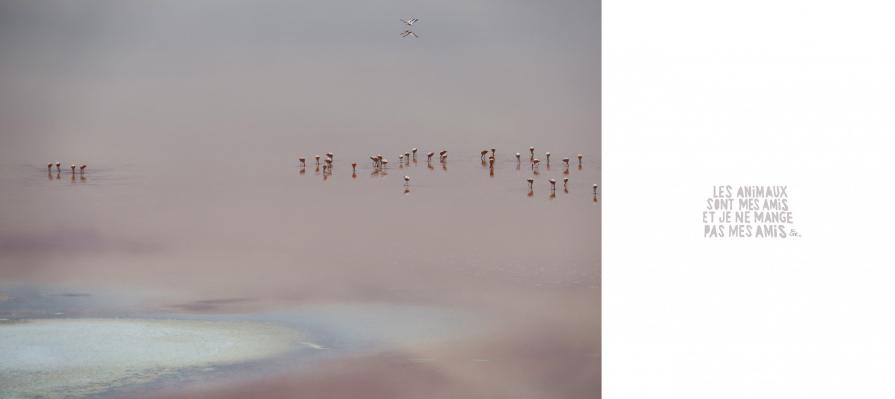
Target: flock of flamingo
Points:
(58, 166)
(379, 164)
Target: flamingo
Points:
(484, 152)
(493, 152)
(329, 155)
(595, 189)
(565, 184)
(406, 180)
(531, 150)
(301, 162)
(566, 161)
(317, 158)
(49, 167)
(384, 162)
(83, 166)
(534, 163)
(58, 166)
(579, 160)
(552, 184)
(517, 157)
(491, 162)
(72, 168)
(531, 183)
(354, 167)
(429, 156)
(548, 158)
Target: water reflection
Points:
(293, 262)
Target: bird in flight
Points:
(408, 33)
(410, 21)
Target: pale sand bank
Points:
(76, 357)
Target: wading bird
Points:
(58, 166)
(414, 153)
(595, 189)
(493, 152)
(72, 168)
(531, 183)
(518, 155)
(548, 158)
(429, 156)
(552, 184)
(579, 160)
(50, 167)
(534, 163)
(329, 155)
(83, 166)
(565, 184)
(353, 167)
(484, 152)
(531, 151)
(317, 159)
(406, 180)
(301, 162)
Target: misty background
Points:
(236, 81)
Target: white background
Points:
(704, 93)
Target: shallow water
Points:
(192, 119)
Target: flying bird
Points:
(410, 21)
(408, 33)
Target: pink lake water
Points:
(193, 208)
